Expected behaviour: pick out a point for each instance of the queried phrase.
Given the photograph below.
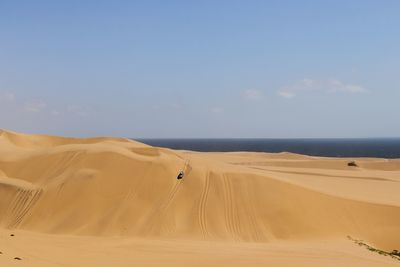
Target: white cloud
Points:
(338, 86)
(217, 110)
(327, 86)
(286, 94)
(35, 106)
(10, 102)
(252, 94)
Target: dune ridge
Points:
(118, 187)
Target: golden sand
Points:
(117, 202)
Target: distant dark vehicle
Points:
(180, 175)
(352, 164)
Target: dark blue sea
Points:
(369, 147)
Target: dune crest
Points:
(116, 186)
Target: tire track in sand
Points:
(231, 218)
(256, 234)
(203, 205)
(22, 205)
(162, 207)
(177, 186)
(171, 196)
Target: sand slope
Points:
(118, 187)
(60, 251)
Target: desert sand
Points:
(117, 202)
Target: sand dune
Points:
(126, 194)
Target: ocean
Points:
(368, 147)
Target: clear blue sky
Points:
(201, 68)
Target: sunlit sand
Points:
(117, 202)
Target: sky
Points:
(201, 69)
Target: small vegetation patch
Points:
(395, 254)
